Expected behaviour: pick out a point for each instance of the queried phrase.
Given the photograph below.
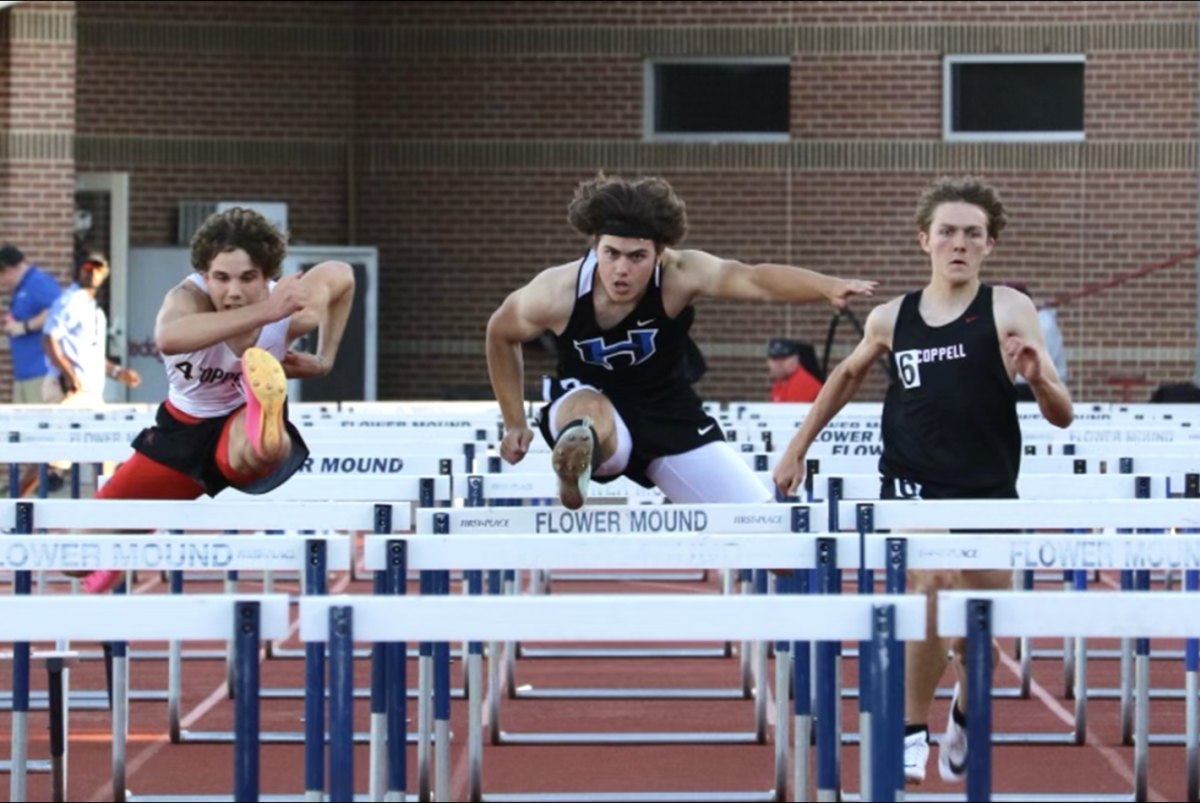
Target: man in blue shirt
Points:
(33, 291)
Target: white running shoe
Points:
(916, 756)
(952, 750)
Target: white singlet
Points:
(208, 383)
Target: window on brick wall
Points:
(1036, 98)
(718, 99)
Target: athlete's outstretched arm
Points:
(841, 386)
(1024, 348)
(544, 303)
(187, 321)
(329, 289)
(723, 278)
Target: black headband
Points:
(625, 228)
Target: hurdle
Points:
(588, 552)
(479, 490)
(25, 516)
(978, 616)
(976, 551)
(1017, 515)
(249, 619)
(679, 519)
(593, 617)
(1030, 487)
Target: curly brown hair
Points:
(965, 189)
(649, 204)
(240, 228)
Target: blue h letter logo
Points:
(639, 348)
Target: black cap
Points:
(10, 255)
(782, 347)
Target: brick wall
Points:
(37, 123)
(451, 135)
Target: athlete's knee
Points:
(588, 403)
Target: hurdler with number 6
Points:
(224, 334)
(623, 403)
(950, 428)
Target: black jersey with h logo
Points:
(645, 365)
(950, 419)
(647, 355)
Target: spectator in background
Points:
(1048, 318)
(33, 292)
(792, 381)
(76, 339)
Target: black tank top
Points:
(950, 418)
(647, 353)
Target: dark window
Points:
(718, 98)
(1016, 97)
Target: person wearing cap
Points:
(75, 341)
(33, 292)
(790, 381)
(622, 403)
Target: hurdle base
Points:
(1155, 694)
(999, 738)
(359, 694)
(226, 737)
(1015, 797)
(38, 766)
(621, 652)
(1056, 653)
(525, 693)
(626, 739)
(945, 693)
(361, 652)
(300, 798)
(632, 797)
(159, 655)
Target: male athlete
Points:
(224, 333)
(623, 402)
(950, 427)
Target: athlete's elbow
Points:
(1062, 418)
(168, 344)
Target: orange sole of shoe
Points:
(266, 387)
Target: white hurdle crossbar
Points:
(585, 617)
(247, 619)
(979, 616)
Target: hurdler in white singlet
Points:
(208, 383)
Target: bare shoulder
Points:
(689, 262)
(883, 318)
(546, 301)
(186, 297)
(1006, 298)
(1015, 313)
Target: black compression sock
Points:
(916, 727)
(960, 718)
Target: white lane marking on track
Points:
(1111, 757)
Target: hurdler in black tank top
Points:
(950, 420)
(646, 356)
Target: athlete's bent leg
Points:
(139, 478)
(589, 437)
(258, 440)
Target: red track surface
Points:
(158, 767)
